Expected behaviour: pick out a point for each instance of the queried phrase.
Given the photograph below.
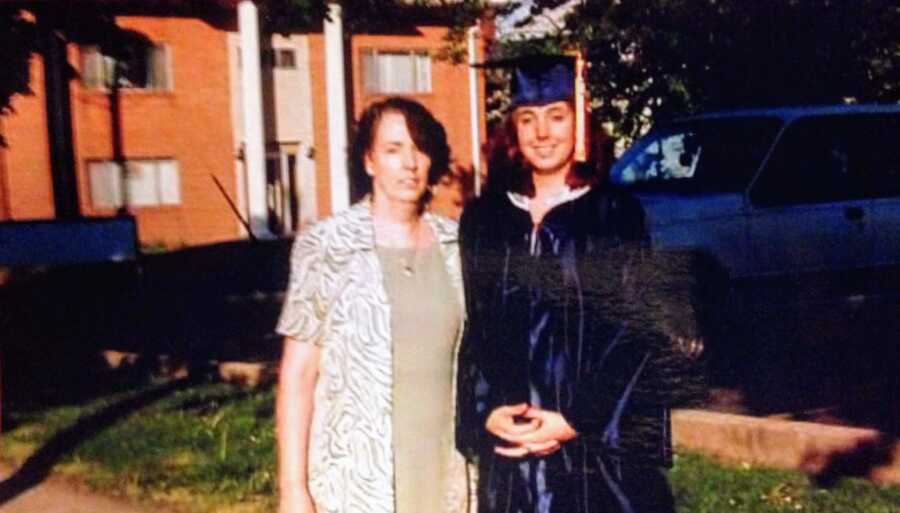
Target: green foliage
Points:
(460, 17)
(284, 16)
(662, 58)
(371, 15)
(385, 16)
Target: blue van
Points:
(800, 198)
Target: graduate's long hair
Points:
(509, 171)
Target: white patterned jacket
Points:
(336, 299)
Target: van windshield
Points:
(704, 156)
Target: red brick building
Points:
(181, 133)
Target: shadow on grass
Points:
(39, 465)
(218, 302)
(859, 461)
(210, 403)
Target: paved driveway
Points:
(55, 495)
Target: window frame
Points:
(818, 127)
(278, 59)
(117, 188)
(696, 177)
(103, 85)
(413, 53)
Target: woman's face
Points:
(398, 168)
(546, 135)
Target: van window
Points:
(877, 156)
(707, 155)
(833, 158)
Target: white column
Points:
(475, 120)
(285, 199)
(252, 104)
(337, 108)
(306, 169)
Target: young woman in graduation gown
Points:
(564, 374)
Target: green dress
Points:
(425, 320)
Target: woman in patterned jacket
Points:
(371, 322)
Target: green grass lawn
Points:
(203, 448)
(703, 486)
(210, 447)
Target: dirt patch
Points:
(58, 494)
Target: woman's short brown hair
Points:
(426, 131)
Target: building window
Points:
(134, 66)
(280, 58)
(151, 183)
(396, 72)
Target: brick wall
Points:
(190, 123)
(26, 160)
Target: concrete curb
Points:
(247, 374)
(244, 374)
(825, 451)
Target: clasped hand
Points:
(541, 433)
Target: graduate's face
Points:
(399, 169)
(546, 135)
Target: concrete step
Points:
(827, 452)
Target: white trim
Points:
(286, 197)
(306, 171)
(337, 108)
(475, 122)
(254, 134)
(240, 194)
(169, 65)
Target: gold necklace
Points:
(407, 262)
(407, 257)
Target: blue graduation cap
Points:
(539, 79)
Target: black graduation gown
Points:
(576, 321)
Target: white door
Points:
(282, 192)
